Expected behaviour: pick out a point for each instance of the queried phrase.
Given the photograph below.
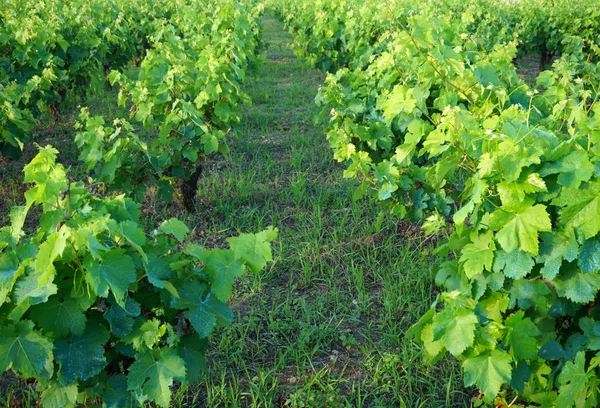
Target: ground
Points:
(324, 325)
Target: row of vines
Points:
(95, 305)
(427, 110)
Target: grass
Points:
(324, 325)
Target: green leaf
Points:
(398, 101)
(57, 395)
(479, 255)
(591, 330)
(49, 250)
(577, 286)
(59, 317)
(495, 304)
(17, 220)
(157, 270)
(82, 357)
(254, 249)
(121, 318)
(222, 267)
(526, 293)
(487, 74)
(116, 395)
(203, 314)
(25, 351)
(589, 256)
(135, 236)
(513, 193)
(433, 349)
(552, 351)
(49, 178)
(515, 265)
(28, 290)
(573, 382)
(175, 227)
(488, 371)
(115, 271)
(222, 111)
(520, 375)
(572, 169)
(556, 247)
(145, 334)
(191, 350)
(519, 227)
(581, 208)
(476, 188)
(144, 111)
(456, 327)
(9, 265)
(153, 373)
(521, 336)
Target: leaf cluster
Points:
(433, 120)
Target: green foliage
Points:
(49, 51)
(185, 93)
(427, 110)
(91, 302)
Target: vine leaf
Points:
(519, 228)
(521, 336)
(25, 350)
(222, 268)
(478, 255)
(153, 373)
(577, 286)
(82, 357)
(59, 317)
(572, 169)
(191, 350)
(116, 395)
(115, 271)
(581, 208)
(254, 249)
(456, 327)
(515, 265)
(58, 395)
(573, 382)
(589, 256)
(176, 228)
(203, 314)
(488, 371)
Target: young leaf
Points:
(175, 227)
(254, 249)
